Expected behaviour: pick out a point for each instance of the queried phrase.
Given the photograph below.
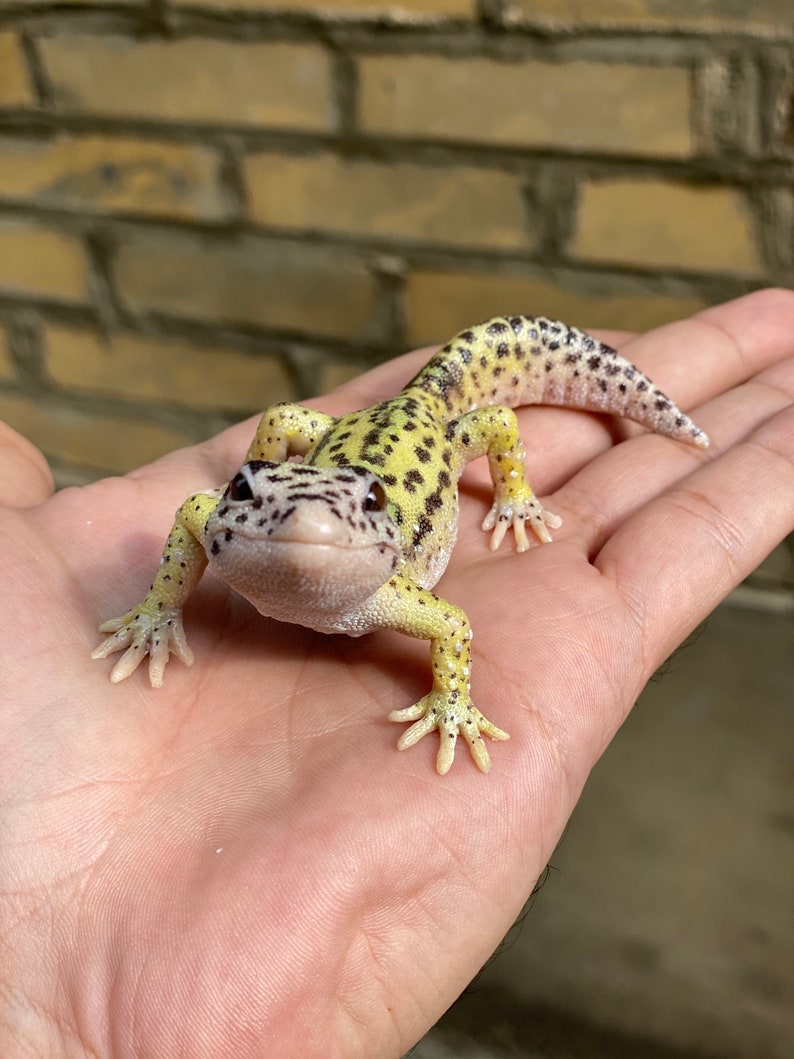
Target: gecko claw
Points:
(452, 716)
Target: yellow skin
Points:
(355, 536)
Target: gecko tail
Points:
(582, 372)
(526, 360)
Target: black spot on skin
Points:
(228, 535)
(433, 503)
(422, 454)
(425, 526)
(256, 466)
(594, 363)
(215, 547)
(412, 479)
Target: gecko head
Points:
(303, 543)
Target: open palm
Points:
(240, 863)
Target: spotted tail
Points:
(524, 360)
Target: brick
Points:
(107, 174)
(251, 280)
(439, 304)
(15, 86)
(460, 206)
(728, 93)
(192, 79)
(784, 113)
(41, 262)
(6, 364)
(399, 10)
(108, 443)
(575, 105)
(768, 17)
(658, 224)
(334, 374)
(161, 369)
(87, 3)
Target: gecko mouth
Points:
(220, 539)
(306, 582)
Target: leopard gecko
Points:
(354, 537)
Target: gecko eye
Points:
(240, 488)
(375, 500)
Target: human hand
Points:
(240, 863)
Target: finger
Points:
(718, 348)
(612, 487)
(678, 556)
(25, 477)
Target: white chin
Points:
(309, 584)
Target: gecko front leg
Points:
(154, 626)
(402, 605)
(494, 432)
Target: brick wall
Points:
(208, 205)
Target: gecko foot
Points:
(505, 515)
(142, 632)
(452, 715)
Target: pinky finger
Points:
(682, 553)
